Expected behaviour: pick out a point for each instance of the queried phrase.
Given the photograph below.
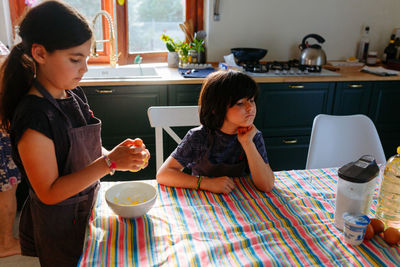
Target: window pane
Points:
(89, 8)
(148, 19)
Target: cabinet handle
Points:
(355, 85)
(290, 141)
(296, 86)
(104, 91)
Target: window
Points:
(138, 24)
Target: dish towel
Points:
(380, 71)
(195, 73)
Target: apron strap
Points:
(51, 99)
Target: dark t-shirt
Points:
(225, 149)
(39, 114)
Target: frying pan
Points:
(248, 54)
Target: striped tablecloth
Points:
(292, 225)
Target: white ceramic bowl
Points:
(131, 199)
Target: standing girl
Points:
(227, 144)
(55, 137)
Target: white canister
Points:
(355, 188)
(173, 59)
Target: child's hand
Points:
(139, 143)
(222, 184)
(246, 134)
(130, 155)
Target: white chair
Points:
(337, 140)
(165, 117)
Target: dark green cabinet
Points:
(183, 95)
(123, 112)
(385, 113)
(352, 98)
(286, 153)
(285, 114)
(289, 109)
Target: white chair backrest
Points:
(165, 117)
(337, 140)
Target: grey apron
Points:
(207, 168)
(55, 233)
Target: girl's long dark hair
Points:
(53, 24)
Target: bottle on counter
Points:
(390, 51)
(388, 208)
(372, 58)
(363, 46)
(397, 46)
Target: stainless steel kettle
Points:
(312, 55)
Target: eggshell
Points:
(378, 225)
(137, 142)
(369, 232)
(391, 236)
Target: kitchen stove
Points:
(284, 68)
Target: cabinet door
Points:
(123, 112)
(384, 111)
(352, 98)
(287, 153)
(385, 104)
(183, 94)
(288, 109)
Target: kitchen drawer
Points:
(288, 109)
(183, 95)
(287, 153)
(123, 111)
(352, 98)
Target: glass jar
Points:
(192, 56)
(372, 58)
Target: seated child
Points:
(227, 144)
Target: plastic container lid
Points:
(362, 171)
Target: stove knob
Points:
(284, 72)
(277, 72)
(291, 72)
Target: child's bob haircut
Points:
(221, 90)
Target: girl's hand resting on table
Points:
(246, 134)
(130, 155)
(222, 184)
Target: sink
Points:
(120, 72)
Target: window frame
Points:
(194, 11)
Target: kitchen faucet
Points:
(113, 56)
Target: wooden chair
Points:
(165, 117)
(337, 140)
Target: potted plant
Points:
(172, 47)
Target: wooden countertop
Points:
(171, 76)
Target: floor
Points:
(18, 260)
